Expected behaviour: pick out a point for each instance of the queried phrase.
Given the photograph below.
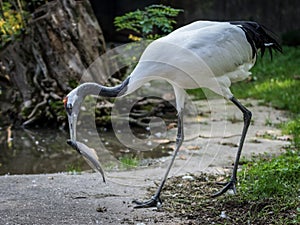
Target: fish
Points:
(89, 154)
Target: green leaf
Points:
(154, 21)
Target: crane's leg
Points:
(247, 119)
(155, 200)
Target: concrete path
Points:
(83, 199)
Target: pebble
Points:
(223, 215)
(188, 177)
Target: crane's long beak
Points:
(89, 155)
(72, 119)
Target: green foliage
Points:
(151, 23)
(267, 178)
(74, 168)
(273, 182)
(14, 15)
(57, 108)
(129, 162)
(197, 93)
(73, 83)
(11, 22)
(293, 128)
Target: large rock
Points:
(62, 40)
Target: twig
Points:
(44, 102)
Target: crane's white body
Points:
(201, 54)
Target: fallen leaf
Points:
(183, 157)
(193, 147)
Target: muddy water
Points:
(45, 151)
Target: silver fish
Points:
(89, 154)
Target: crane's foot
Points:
(230, 185)
(153, 202)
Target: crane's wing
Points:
(259, 37)
(89, 154)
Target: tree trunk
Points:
(62, 40)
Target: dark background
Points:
(282, 17)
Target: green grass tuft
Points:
(293, 128)
(129, 162)
(276, 177)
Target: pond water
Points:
(46, 151)
(139, 142)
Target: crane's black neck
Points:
(97, 89)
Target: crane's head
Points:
(72, 103)
(72, 106)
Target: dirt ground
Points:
(64, 198)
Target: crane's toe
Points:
(153, 202)
(230, 185)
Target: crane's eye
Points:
(67, 106)
(69, 109)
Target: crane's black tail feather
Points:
(259, 37)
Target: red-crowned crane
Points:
(201, 54)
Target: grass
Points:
(129, 162)
(269, 187)
(272, 177)
(293, 127)
(74, 168)
(275, 183)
